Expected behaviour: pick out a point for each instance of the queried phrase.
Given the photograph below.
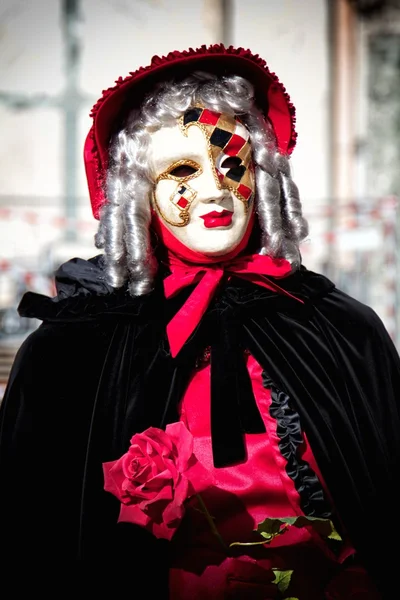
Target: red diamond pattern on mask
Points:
(234, 145)
(183, 196)
(244, 191)
(182, 202)
(209, 117)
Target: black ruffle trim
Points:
(312, 498)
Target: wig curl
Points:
(124, 229)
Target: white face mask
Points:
(204, 180)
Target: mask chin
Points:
(168, 244)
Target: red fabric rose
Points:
(155, 477)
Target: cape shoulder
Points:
(83, 296)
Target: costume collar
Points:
(206, 272)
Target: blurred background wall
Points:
(339, 61)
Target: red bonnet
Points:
(109, 111)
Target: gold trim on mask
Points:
(184, 129)
(184, 162)
(183, 211)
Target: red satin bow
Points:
(254, 268)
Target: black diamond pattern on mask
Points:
(220, 137)
(236, 173)
(193, 114)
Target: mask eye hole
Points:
(231, 162)
(183, 171)
(233, 168)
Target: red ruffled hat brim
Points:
(128, 93)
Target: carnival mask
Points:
(204, 180)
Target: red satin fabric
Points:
(189, 267)
(244, 495)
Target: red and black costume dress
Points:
(324, 375)
(299, 412)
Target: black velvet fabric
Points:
(231, 394)
(99, 369)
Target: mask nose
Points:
(209, 191)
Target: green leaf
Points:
(335, 535)
(274, 527)
(270, 528)
(282, 579)
(324, 527)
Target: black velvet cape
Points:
(98, 369)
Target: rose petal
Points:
(174, 510)
(158, 439)
(155, 510)
(135, 467)
(151, 442)
(138, 448)
(111, 483)
(131, 493)
(155, 477)
(161, 530)
(157, 464)
(170, 469)
(133, 514)
(183, 441)
(159, 481)
(181, 490)
(165, 494)
(140, 471)
(173, 515)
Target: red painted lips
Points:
(217, 219)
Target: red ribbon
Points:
(253, 268)
(188, 267)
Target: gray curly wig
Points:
(124, 229)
